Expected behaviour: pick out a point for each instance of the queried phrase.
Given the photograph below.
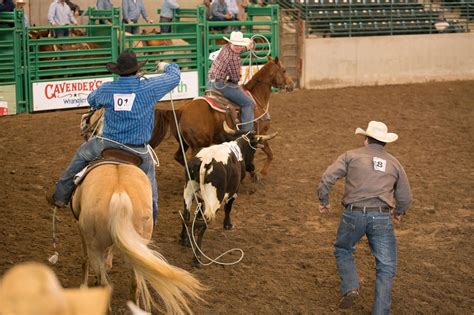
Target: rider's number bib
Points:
(379, 164)
(124, 101)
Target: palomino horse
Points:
(114, 207)
(201, 126)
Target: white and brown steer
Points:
(215, 176)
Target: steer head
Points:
(248, 143)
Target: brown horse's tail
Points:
(174, 285)
(164, 120)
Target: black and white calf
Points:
(216, 173)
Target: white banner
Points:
(73, 93)
(64, 94)
(247, 73)
(188, 87)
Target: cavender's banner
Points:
(73, 93)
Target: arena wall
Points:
(379, 60)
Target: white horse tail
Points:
(173, 284)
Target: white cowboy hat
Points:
(33, 288)
(379, 131)
(238, 39)
(21, 1)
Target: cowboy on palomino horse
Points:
(128, 121)
(224, 76)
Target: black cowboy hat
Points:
(126, 64)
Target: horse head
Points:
(278, 72)
(92, 123)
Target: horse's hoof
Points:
(256, 177)
(228, 226)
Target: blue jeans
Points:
(61, 32)
(378, 228)
(236, 94)
(91, 150)
(130, 28)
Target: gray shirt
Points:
(373, 178)
(104, 4)
(59, 13)
(132, 9)
(218, 8)
(167, 8)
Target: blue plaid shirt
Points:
(134, 126)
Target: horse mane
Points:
(260, 76)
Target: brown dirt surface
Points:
(288, 267)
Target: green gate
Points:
(12, 78)
(63, 71)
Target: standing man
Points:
(132, 9)
(224, 76)
(167, 14)
(128, 127)
(60, 14)
(376, 192)
(104, 5)
(220, 12)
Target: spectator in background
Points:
(220, 12)
(167, 13)
(104, 5)
(132, 9)
(60, 14)
(7, 6)
(233, 9)
(441, 23)
(20, 4)
(76, 10)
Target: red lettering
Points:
(48, 93)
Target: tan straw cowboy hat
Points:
(238, 39)
(32, 288)
(379, 131)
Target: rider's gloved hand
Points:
(162, 65)
(251, 44)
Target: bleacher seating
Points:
(338, 18)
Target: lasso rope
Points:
(54, 258)
(194, 245)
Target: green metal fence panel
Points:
(12, 71)
(63, 71)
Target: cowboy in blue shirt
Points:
(126, 127)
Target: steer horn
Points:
(227, 129)
(262, 138)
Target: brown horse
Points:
(201, 126)
(114, 207)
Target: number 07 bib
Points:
(124, 101)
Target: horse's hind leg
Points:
(85, 263)
(228, 208)
(179, 156)
(269, 152)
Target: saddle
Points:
(109, 156)
(218, 102)
(114, 156)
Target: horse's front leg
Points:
(269, 152)
(228, 208)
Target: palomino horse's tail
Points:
(164, 120)
(174, 285)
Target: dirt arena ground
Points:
(288, 267)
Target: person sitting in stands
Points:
(441, 23)
(60, 14)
